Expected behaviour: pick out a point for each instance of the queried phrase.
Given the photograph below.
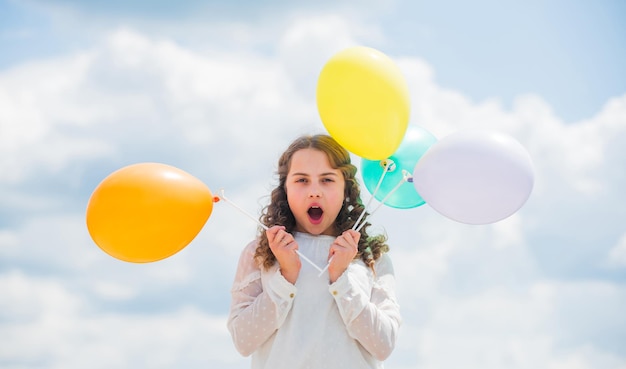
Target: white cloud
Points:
(58, 328)
(132, 93)
(310, 41)
(49, 242)
(617, 254)
(42, 107)
(27, 298)
(480, 292)
(501, 328)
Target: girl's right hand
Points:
(284, 247)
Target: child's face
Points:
(315, 192)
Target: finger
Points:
(352, 235)
(341, 242)
(272, 232)
(292, 245)
(285, 239)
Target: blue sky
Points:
(87, 87)
(568, 51)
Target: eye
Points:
(301, 180)
(328, 179)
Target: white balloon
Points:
(475, 177)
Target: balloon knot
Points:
(388, 164)
(216, 199)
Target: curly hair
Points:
(370, 248)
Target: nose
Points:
(314, 191)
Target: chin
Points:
(315, 229)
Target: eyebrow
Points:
(321, 175)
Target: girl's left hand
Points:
(342, 252)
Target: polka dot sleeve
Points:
(368, 306)
(256, 313)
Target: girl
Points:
(283, 311)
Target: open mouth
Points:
(315, 214)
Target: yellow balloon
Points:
(147, 212)
(363, 101)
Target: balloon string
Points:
(406, 177)
(389, 166)
(326, 267)
(223, 197)
(312, 263)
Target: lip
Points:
(320, 219)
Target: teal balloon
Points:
(414, 145)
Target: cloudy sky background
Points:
(219, 89)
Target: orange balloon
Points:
(147, 212)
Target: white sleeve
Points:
(260, 302)
(368, 307)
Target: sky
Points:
(219, 89)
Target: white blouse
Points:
(352, 323)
